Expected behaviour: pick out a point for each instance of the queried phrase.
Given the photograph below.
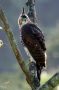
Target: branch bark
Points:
(31, 10)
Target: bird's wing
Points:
(35, 43)
(37, 33)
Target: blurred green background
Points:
(11, 75)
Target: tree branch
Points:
(31, 10)
(14, 47)
(50, 84)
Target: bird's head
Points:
(23, 19)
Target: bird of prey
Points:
(33, 40)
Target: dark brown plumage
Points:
(34, 41)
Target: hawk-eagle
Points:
(34, 41)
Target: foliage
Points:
(16, 80)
